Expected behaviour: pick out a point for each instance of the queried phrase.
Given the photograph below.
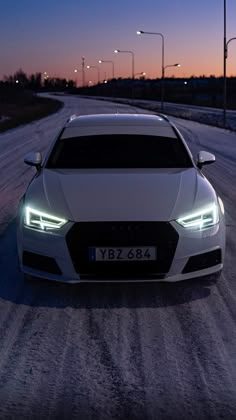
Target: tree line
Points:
(36, 81)
(200, 90)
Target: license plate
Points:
(122, 254)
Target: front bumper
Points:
(61, 256)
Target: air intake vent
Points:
(206, 260)
(40, 262)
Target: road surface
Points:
(144, 351)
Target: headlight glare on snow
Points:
(202, 219)
(42, 221)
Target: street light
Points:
(172, 65)
(226, 43)
(165, 67)
(95, 67)
(142, 73)
(129, 52)
(162, 64)
(109, 61)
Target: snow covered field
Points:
(145, 351)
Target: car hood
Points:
(116, 195)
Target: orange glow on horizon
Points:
(192, 32)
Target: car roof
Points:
(117, 119)
(127, 124)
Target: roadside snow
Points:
(204, 115)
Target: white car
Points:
(119, 198)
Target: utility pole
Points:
(224, 77)
(83, 74)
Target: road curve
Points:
(144, 351)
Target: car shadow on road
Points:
(42, 293)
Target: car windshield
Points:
(119, 151)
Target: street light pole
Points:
(130, 52)
(226, 43)
(224, 77)
(165, 67)
(95, 67)
(77, 71)
(171, 65)
(162, 61)
(83, 73)
(109, 61)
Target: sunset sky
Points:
(52, 35)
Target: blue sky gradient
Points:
(52, 36)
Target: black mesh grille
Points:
(83, 236)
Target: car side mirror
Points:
(205, 158)
(34, 159)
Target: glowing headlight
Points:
(43, 221)
(202, 219)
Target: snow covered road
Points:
(144, 351)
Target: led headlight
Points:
(43, 221)
(202, 219)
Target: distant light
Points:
(142, 73)
(88, 67)
(139, 32)
(100, 61)
(17, 81)
(75, 70)
(104, 81)
(185, 83)
(116, 51)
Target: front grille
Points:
(83, 236)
